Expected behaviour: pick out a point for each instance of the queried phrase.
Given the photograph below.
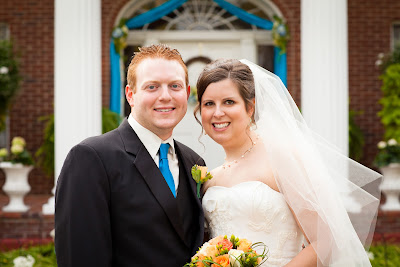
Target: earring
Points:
(250, 122)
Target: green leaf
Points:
(196, 173)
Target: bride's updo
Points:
(221, 69)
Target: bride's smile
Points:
(224, 114)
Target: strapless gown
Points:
(254, 211)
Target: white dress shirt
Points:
(152, 143)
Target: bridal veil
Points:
(334, 198)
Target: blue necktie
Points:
(164, 167)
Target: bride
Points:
(281, 184)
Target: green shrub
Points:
(385, 255)
(45, 153)
(9, 79)
(390, 113)
(110, 120)
(356, 137)
(44, 255)
(384, 61)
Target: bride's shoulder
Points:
(217, 172)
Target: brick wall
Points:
(369, 34)
(291, 12)
(31, 26)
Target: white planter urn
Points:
(391, 186)
(16, 185)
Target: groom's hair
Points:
(153, 51)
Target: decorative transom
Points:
(201, 15)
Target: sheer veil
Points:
(334, 198)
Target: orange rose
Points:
(222, 260)
(216, 240)
(226, 244)
(211, 251)
(244, 245)
(198, 257)
(203, 170)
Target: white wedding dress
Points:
(254, 211)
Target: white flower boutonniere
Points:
(200, 175)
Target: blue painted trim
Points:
(115, 90)
(245, 16)
(280, 65)
(154, 14)
(116, 95)
(279, 59)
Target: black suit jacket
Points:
(114, 208)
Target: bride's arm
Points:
(306, 257)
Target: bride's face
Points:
(223, 113)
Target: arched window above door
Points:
(201, 15)
(215, 18)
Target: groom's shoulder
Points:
(104, 142)
(189, 153)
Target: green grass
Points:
(44, 256)
(384, 256)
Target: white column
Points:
(77, 77)
(324, 69)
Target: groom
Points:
(127, 198)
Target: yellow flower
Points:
(244, 245)
(203, 170)
(200, 176)
(3, 152)
(17, 149)
(18, 141)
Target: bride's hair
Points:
(222, 69)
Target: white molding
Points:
(248, 49)
(139, 37)
(128, 9)
(268, 7)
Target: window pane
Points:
(4, 134)
(3, 31)
(396, 35)
(266, 57)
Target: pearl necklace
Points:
(229, 164)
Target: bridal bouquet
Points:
(234, 252)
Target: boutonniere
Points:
(200, 176)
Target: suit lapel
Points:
(152, 176)
(187, 164)
(187, 167)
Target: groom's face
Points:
(159, 100)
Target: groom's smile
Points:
(159, 99)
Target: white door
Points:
(188, 130)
